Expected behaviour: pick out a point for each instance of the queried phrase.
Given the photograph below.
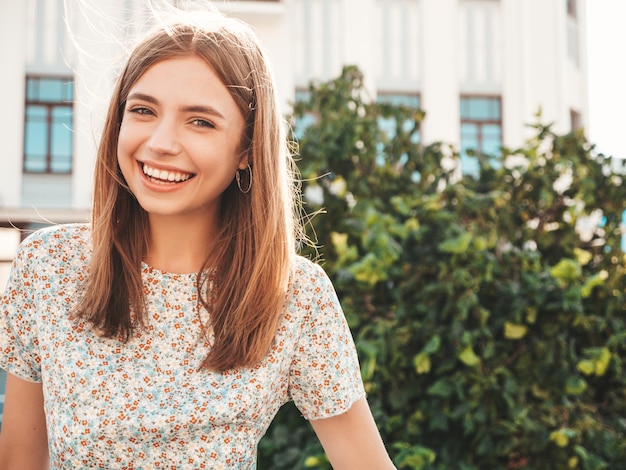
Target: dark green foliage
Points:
(491, 335)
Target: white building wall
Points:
(480, 46)
(440, 71)
(12, 58)
(516, 87)
(439, 49)
(396, 39)
(100, 45)
(273, 23)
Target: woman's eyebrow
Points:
(142, 97)
(188, 109)
(202, 109)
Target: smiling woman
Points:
(179, 145)
(170, 330)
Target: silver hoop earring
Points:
(238, 178)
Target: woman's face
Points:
(179, 141)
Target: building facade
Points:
(481, 69)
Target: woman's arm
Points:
(23, 439)
(351, 440)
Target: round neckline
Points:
(146, 268)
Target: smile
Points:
(164, 176)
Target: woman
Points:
(168, 332)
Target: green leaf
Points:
(594, 281)
(433, 345)
(590, 460)
(562, 436)
(456, 245)
(315, 461)
(440, 388)
(422, 363)
(583, 256)
(566, 271)
(575, 385)
(468, 357)
(597, 362)
(602, 362)
(514, 330)
(586, 366)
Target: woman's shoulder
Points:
(68, 232)
(306, 269)
(67, 239)
(308, 277)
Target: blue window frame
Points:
(300, 125)
(389, 126)
(48, 136)
(481, 129)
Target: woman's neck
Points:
(179, 246)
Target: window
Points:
(388, 124)
(481, 129)
(301, 124)
(48, 125)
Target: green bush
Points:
(489, 324)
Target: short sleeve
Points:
(19, 347)
(325, 378)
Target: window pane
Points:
(399, 99)
(68, 90)
(31, 88)
(492, 139)
(469, 141)
(469, 165)
(35, 139)
(36, 113)
(305, 121)
(494, 110)
(465, 114)
(387, 126)
(61, 164)
(479, 109)
(35, 164)
(36, 132)
(51, 89)
(481, 130)
(302, 95)
(61, 142)
(469, 136)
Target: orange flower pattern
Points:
(145, 403)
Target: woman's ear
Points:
(244, 161)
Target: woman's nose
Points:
(164, 139)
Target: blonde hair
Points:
(258, 230)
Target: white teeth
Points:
(164, 175)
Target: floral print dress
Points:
(146, 404)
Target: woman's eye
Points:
(202, 123)
(140, 110)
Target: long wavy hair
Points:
(258, 231)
